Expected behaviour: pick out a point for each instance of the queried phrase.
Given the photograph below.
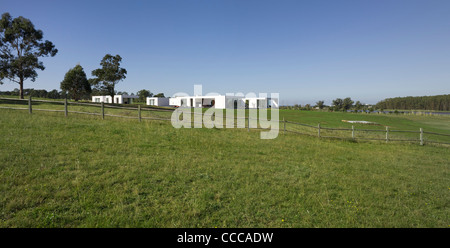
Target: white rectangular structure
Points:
(223, 102)
(158, 101)
(216, 101)
(175, 101)
(119, 99)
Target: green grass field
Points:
(410, 122)
(82, 171)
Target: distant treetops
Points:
(438, 103)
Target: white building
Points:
(158, 101)
(222, 102)
(120, 99)
(218, 101)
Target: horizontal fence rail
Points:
(293, 127)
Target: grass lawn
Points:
(82, 171)
(434, 123)
(410, 122)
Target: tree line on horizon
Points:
(437, 103)
(338, 104)
(55, 94)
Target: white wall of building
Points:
(175, 101)
(219, 101)
(105, 99)
(158, 101)
(119, 99)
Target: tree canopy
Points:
(338, 103)
(21, 46)
(438, 102)
(347, 103)
(342, 104)
(143, 94)
(320, 104)
(76, 83)
(109, 75)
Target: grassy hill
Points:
(81, 171)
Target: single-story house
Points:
(158, 101)
(120, 99)
(218, 101)
(222, 102)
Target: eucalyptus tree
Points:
(109, 75)
(21, 45)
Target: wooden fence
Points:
(387, 134)
(285, 126)
(102, 107)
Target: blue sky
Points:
(304, 50)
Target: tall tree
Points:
(21, 46)
(159, 95)
(76, 83)
(109, 75)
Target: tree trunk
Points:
(21, 88)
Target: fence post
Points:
(30, 109)
(387, 134)
(139, 112)
(318, 130)
(421, 136)
(103, 110)
(248, 123)
(66, 112)
(353, 132)
(284, 132)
